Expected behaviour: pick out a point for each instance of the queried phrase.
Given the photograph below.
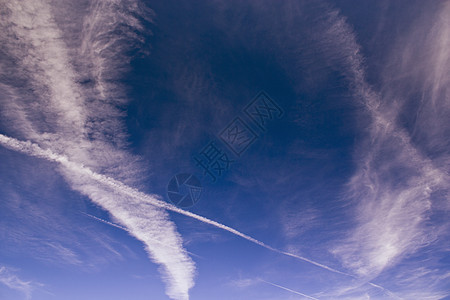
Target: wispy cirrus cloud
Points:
(396, 182)
(12, 281)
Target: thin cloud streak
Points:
(104, 221)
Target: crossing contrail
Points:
(35, 150)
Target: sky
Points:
(270, 150)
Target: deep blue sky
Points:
(343, 195)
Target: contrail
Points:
(289, 290)
(35, 150)
(104, 221)
(385, 290)
(125, 229)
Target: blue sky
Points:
(343, 192)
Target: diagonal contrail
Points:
(104, 221)
(35, 150)
(289, 290)
(125, 229)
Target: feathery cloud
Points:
(8, 278)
